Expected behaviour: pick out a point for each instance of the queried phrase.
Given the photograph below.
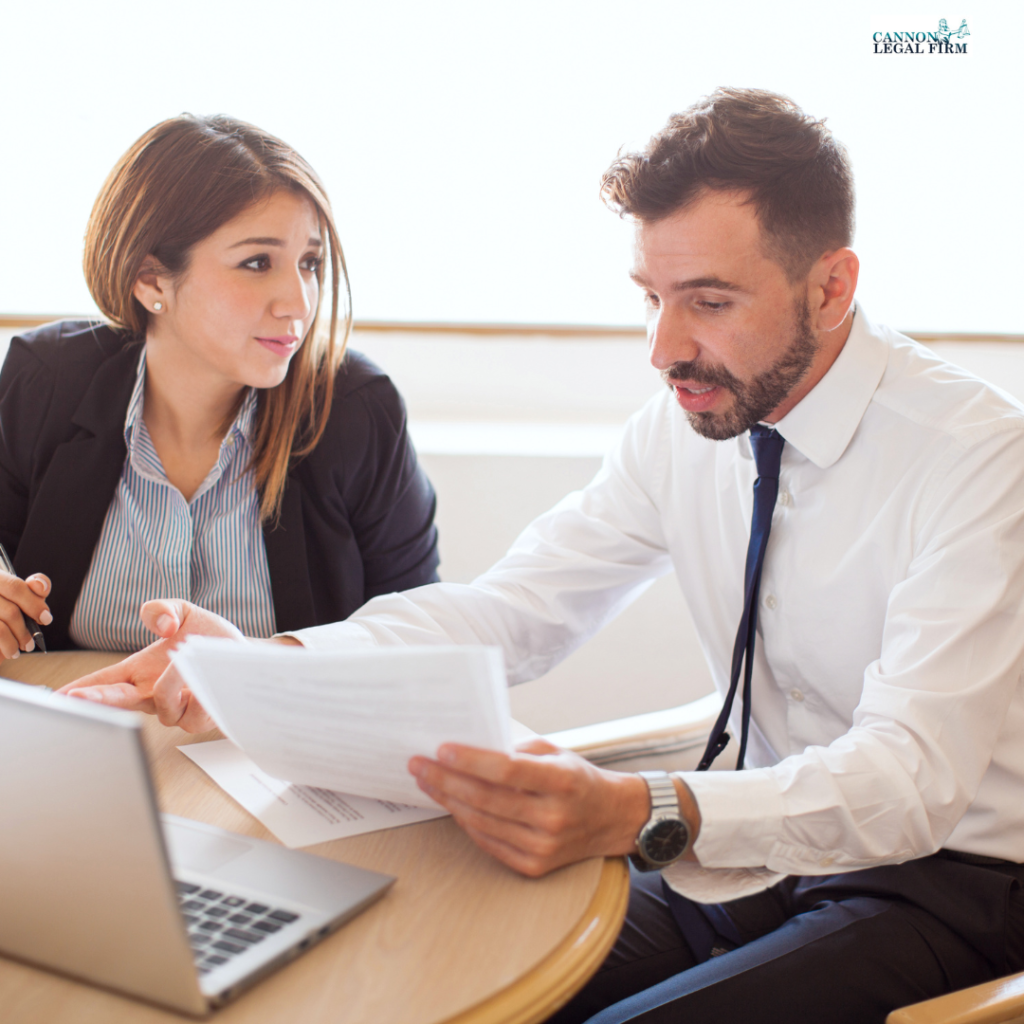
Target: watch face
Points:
(664, 841)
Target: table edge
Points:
(567, 968)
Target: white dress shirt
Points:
(888, 713)
(208, 550)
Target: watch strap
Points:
(664, 804)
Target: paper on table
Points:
(298, 815)
(349, 721)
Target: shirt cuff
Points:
(335, 636)
(740, 815)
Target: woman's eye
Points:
(261, 262)
(312, 263)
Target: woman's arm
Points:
(391, 500)
(24, 397)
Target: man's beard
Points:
(755, 399)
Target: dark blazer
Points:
(358, 513)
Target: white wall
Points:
(505, 428)
(462, 142)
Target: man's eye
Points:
(261, 262)
(713, 307)
(652, 300)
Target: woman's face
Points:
(247, 298)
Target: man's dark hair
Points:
(795, 173)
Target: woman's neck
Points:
(187, 412)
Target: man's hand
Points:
(19, 598)
(146, 681)
(539, 808)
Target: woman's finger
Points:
(115, 695)
(14, 634)
(40, 585)
(162, 617)
(24, 597)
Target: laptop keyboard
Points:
(220, 925)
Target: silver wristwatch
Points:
(665, 837)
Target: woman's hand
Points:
(147, 681)
(18, 599)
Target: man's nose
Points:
(670, 340)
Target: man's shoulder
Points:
(922, 387)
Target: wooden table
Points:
(459, 938)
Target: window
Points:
(462, 142)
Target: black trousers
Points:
(838, 948)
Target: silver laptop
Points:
(95, 883)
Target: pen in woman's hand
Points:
(33, 626)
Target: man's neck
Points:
(830, 344)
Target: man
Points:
(874, 680)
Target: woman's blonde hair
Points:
(175, 186)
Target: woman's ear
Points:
(151, 287)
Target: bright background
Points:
(462, 142)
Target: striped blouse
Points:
(154, 543)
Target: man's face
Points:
(730, 335)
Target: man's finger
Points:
(525, 863)
(533, 772)
(514, 833)
(497, 801)
(537, 745)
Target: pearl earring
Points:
(158, 306)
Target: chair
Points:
(673, 740)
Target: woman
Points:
(212, 441)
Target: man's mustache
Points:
(699, 373)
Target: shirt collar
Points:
(823, 423)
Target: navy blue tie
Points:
(767, 447)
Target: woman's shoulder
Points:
(362, 388)
(79, 340)
(367, 418)
(60, 370)
(71, 350)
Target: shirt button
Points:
(796, 694)
(784, 498)
(770, 602)
(827, 862)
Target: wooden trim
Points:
(927, 339)
(994, 1002)
(29, 320)
(557, 978)
(10, 321)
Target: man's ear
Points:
(831, 286)
(151, 287)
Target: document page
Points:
(298, 815)
(349, 721)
